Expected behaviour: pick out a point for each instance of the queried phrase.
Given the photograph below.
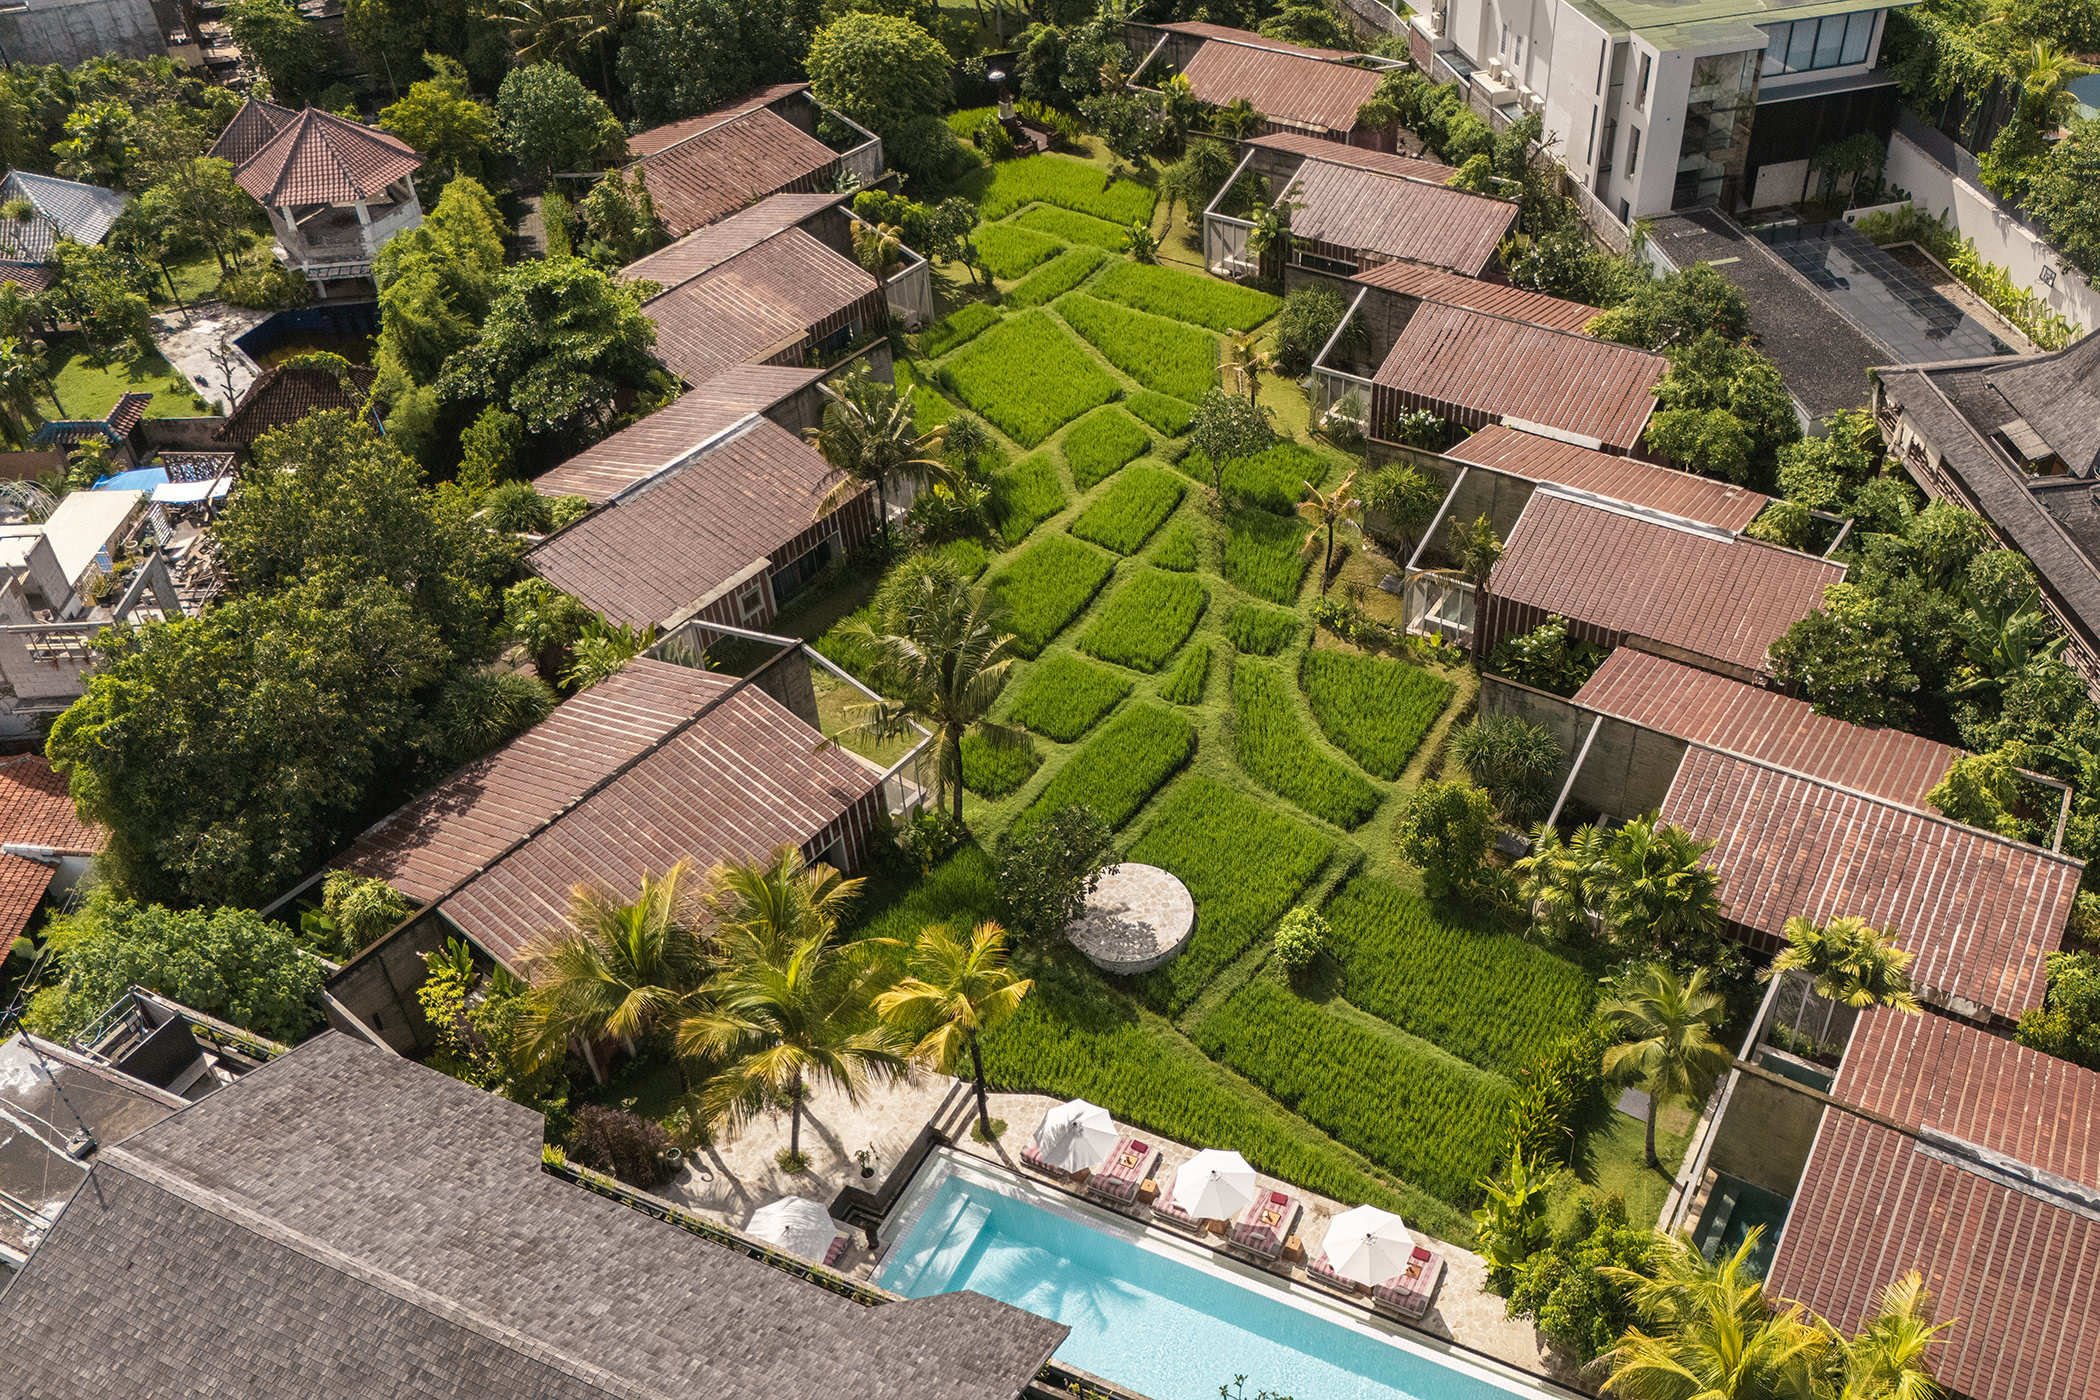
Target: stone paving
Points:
(1137, 918)
(191, 341)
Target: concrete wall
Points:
(72, 33)
(1628, 769)
(1766, 1136)
(378, 986)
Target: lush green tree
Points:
(955, 989)
(230, 963)
(1848, 962)
(398, 39)
(1445, 829)
(21, 385)
(1226, 427)
(1564, 1288)
(1847, 659)
(225, 754)
(1669, 1049)
(1402, 499)
(552, 122)
(621, 220)
(475, 1020)
(1511, 758)
(1314, 25)
(440, 118)
(1712, 375)
(1711, 442)
(97, 290)
(546, 622)
(193, 204)
(1128, 123)
(293, 53)
(1302, 935)
(1825, 471)
(690, 56)
(601, 649)
(1677, 310)
(1048, 867)
(436, 284)
(869, 438)
(1707, 1332)
(880, 71)
(1308, 320)
(1661, 898)
(2062, 197)
(541, 32)
(101, 144)
(1984, 790)
(2067, 1023)
(1547, 658)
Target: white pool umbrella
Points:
(1368, 1245)
(1214, 1185)
(795, 1223)
(1076, 1136)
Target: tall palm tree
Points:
(1657, 889)
(1709, 1333)
(540, 31)
(1476, 548)
(1246, 361)
(1326, 511)
(956, 989)
(940, 655)
(601, 24)
(1850, 962)
(774, 904)
(1886, 1361)
(618, 970)
(869, 439)
(1670, 1046)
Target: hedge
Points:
(1047, 586)
(1123, 765)
(1261, 631)
(1009, 252)
(1126, 514)
(1024, 495)
(1062, 697)
(1264, 554)
(1146, 620)
(1055, 277)
(1185, 686)
(1164, 412)
(1160, 354)
(1277, 752)
(963, 324)
(1187, 296)
(1070, 226)
(1028, 377)
(1374, 710)
(1067, 183)
(1100, 443)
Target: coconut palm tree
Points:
(602, 24)
(777, 903)
(1850, 963)
(1326, 511)
(540, 31)
(1658, 892)
(617, 970)
(1708, 1332)
(1476, 548)
(940, 653)
(1246, 361)
(869, 439)
(1669, 1047)
(957, 988)
(1886, 1361)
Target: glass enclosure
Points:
(1834, 41)
(1717, 121)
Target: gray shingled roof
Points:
(2059, 396)
(65, 208)
(343, 1224)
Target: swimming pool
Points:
(1150, 1314)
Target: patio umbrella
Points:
(1075, 1136)
(797, 1224)
(1214, 1185)
(1368, 1245)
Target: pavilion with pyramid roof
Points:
(335, 191)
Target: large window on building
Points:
(1834, 41)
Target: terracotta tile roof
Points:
(681, 781)
(36, 809)
(1716, 712)
(681, 537)
(634, 454)
(112, 427)
(22, 885)
(1361, 157)
(1202, 29)
(285, 394)
(2015, 1268)
(30, 277)
(1284, 82)
(320, 158)
(754, 305)
(1693, 590)
(1684, 494)
(1495, 298)
(250, 130)
(1475, 369)
(656, 138)
(703, 168)
(1363, 210)
(1980, 912)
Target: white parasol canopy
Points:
(1368, 1245)
(797, 1224)
(1076, 1136)
(1214, 1185)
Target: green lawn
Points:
(87, 390)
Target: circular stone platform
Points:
(1137, 918)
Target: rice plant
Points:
(1072, 227)
(1100, 443)
(1435, 1120)
(1170, 415)
(929, 407)
(1185, 686)
(1010, 252)
(1263, 554)
(1146, 620)
(1048, 585)
(1063, 696)
(992, 771)
(963, 324)
(966, 557)
(1491, 999)
(1124, 764)
(1277, 752)
(1055, 277)
(1187, 296)
(1160, 354)
(1374, 710)
(1272, 480)
(1125, 515)
(1067, 183)
(1025, 494)
(1176, 548)
(1028, 377)
(1260, 631)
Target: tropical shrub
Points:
(1374, 710)
(1566, 1291)
(1261, 631)
(1185, 686)
(1444, 829)
(1161, 354)
(1122, 766)
(1170, 415)
(1047, 869)
(1547, 658)
(1025, 495)
(1055, 277)
(1186, 296)
(1491, 999)
(1146, 619)
(620, 1144)
(1277, 752)
(1101, 443)
(1306, 323)
(2067, 1024)
(959, 326)
(994, 770)
(1398, 1101)
(1176, 548)
(1244, 864)
(1063, 696)
(1130, 510)
(1067, 183)
(1301, 936)
(1010, 252)
(1070, 226)
(1027, 376)
(1263, 554)
(1047, 586)
(1514, 759)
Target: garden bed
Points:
(1028, 377)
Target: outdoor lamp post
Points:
(997, 77)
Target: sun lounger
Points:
(1322, 1273)
(1408, 1295)
(1262, 1228)
(837, 1250)
(1167, 1213)
(1034, 1160)
(1117, 1179)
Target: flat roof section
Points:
(1686, 495)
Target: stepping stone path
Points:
(1137, 919)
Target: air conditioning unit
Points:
(1534, 102)
(1495, 69)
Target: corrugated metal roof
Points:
(1447, 356)
(737, 234)
(1703, 708)
(719, 168)
(1534, 458)
(1201, 29)
(632, 454)
(675, 540)
(2017, 1274)
(1474, 294)
(1693, 590)
(1361, 209)
(753, 305)
(1363, 158)
(1283, 83)
(1979, 912)
(250, 130)
(657, 138)
(64, 208)
(321, 158)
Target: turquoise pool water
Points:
(1140, 1318)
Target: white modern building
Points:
(1664, 104)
